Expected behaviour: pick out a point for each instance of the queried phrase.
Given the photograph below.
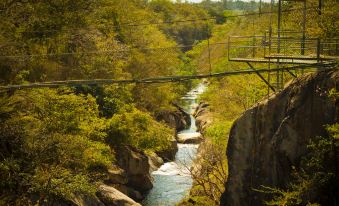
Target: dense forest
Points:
(59, 142)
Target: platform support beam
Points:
(261, 77)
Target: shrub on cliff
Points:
(315, 181)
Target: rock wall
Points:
(177, 119)
(169, 154)
(131, 175)
(136, 167)
(112, 197)
(203, 117)
(105, 196)
(269, 138)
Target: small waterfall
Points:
(172, 181)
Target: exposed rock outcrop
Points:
(177, 119)
(154, 161)
(135, 163)
(85, 200)
(268, 139)
(202, 116)
(189, 138)
(116, 175)
(111, 196)
(130, 192)
(169, 154)
(105, 196)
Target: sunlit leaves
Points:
(58, 146)
(138, 129)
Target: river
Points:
(172, 181)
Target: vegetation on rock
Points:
(56, 143)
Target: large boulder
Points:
(135, 163)
(85, 200)
(177, 119)
(272, 137)
(169, 153)
(112, 197)
(154, 161)
(189, 138)
(76, 200)
(130, 192)
(116, 175)
(203, 116)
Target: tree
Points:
(52, 146)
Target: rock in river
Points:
(135, 163)
(189, 138)
(111, 196)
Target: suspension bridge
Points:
(278, 51)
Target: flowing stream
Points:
(172, 181)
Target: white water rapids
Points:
(172, 181)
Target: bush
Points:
(315, 181)
(138, 129)
(51, 145)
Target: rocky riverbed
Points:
(172, 181)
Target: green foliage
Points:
(217, 8)
(196, 201)
(59, 40)
(138, 129)
(111, 99)
(51, 145)
(229, 97)
(315, 181)
(54, 142)
(218, 133)
(334, 132)
(185, 33)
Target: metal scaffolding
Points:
(280, 48)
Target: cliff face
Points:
(203, 117)
(177, 119)
(267, 140)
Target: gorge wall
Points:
(129, 179)
(268, 139)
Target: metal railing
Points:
(330, 48)
(293, 48)
(285, 48)
(245, 47)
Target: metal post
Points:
(270, 29)
(278, 48)
(253, 44)
(228, 48)
(209, 52)
(302, 70)
(303, 30)
(318, 49)
(282, 79)
(209, 55)
(269, 48)
(279, 25)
